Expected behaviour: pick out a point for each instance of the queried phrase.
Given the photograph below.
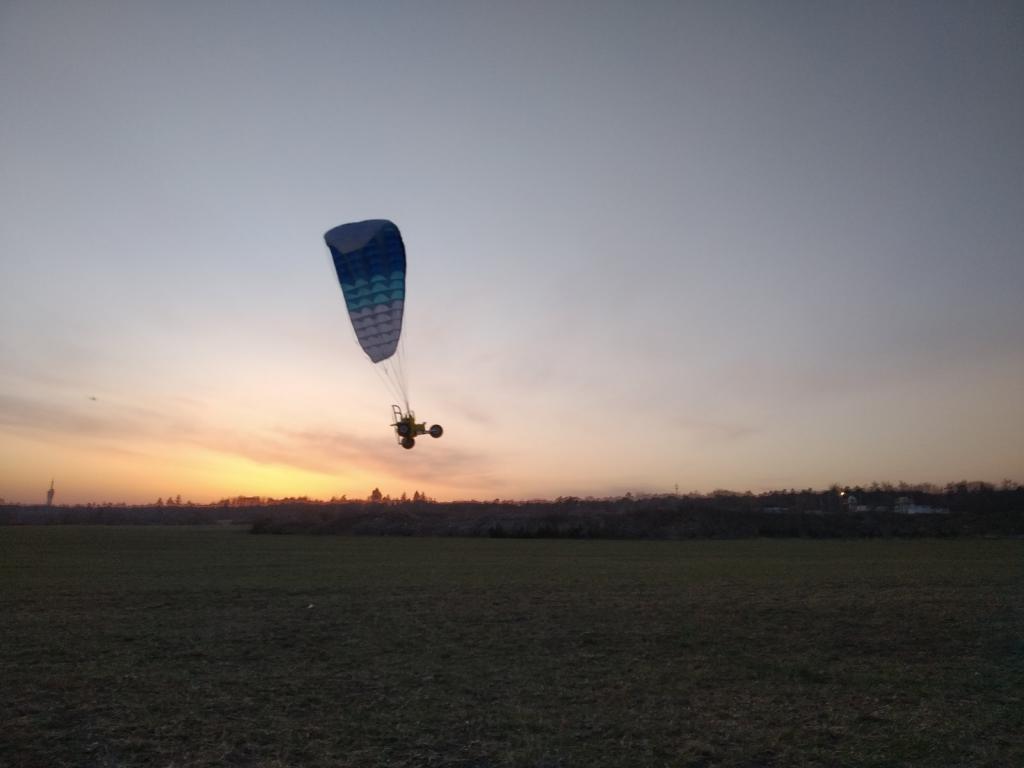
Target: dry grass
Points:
(168, 647)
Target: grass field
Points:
(150, 646)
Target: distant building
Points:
(243, 501)
(853, 506)
(906, 506)
(49, 495)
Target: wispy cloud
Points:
(134, 430)
(471, 410)
(324, 451)
(62, 418)
(711, 429)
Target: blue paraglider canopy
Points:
(369, 257)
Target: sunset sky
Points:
(721, 245)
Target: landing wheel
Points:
(436, 430)
(408, 442)
(403, 429)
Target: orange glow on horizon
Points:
(86, 474)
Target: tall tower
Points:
(49, 494)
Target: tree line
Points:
(878, 510)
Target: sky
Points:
(650, 246)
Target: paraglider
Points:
(369, 258)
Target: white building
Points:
(906, 506)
